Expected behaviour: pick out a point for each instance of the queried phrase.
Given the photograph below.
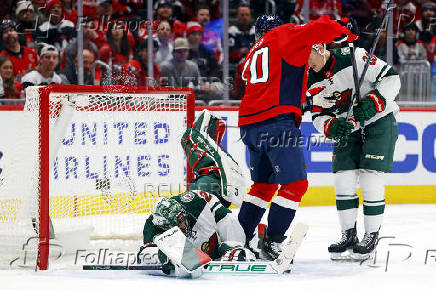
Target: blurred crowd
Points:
(38, 39)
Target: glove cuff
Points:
(378, 100)
(327, 126)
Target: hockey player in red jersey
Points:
(275, 79)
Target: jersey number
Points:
(258, 73)
(205, 195)
(373, 59)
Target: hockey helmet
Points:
(169, 213)
(265, 23)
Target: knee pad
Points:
(346, 182)
(372, 183)
(260, 194)
(294, 191)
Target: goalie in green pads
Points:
(202, 212)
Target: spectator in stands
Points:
(90, 8)
(362, 11)
(207, 64)
(23, 58)
(180, 72)
(104, 11)
(426, 25)
(117, 49)
(210, 37)
(241, 35)
(69, 75)
(44, 73)
(409, 47)
(26, 24)
(200, 54)
(164, 12)
(318, 8)
(191, 7)
(404, 13)
(11, 88)
(70, 12)
(56, 30)
(179, 11)
(71, 50)
(135, 72)
(165, 41)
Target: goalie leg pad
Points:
(211, 125)
(207, 157)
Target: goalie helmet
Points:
(265, 23)
(169, 213)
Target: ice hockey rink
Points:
(408, 237)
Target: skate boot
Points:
(365, 248)
(272, 247)
(342, 249)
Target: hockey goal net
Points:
(95, 157)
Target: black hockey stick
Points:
(365, 68)
(122, 267)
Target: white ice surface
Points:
(413, 225)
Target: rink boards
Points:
(413, 179)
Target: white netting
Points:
(114, 153)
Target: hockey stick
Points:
(358, 85)
(240, 268)
(278, 266)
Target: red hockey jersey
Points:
(275, 69)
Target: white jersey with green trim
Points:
(337, 78)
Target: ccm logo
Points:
(376, 157)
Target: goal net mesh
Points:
(112, 155)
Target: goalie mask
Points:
(169, 213)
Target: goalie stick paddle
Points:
(283, 262)
(358, 81)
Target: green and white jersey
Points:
(211, 223)
(381, 84)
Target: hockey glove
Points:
(337, 128)
(368, 106)
(310, 94)
(352, 26)
(238, 254)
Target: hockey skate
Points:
(342, 250)
(365, 249)
(271, 247)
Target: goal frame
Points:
(44, 148)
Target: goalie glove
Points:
(238, 254)
(368, 106)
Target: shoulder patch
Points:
(345, 50)
(187, 196)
